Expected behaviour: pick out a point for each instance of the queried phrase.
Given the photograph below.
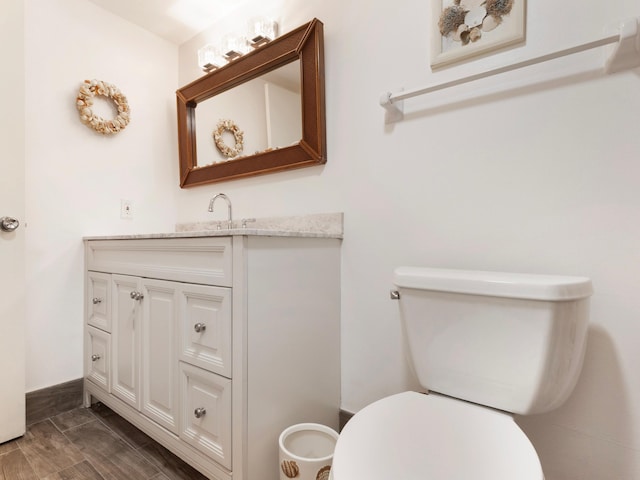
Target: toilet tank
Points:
(510, 341)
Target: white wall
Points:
(536, 171)
(76, 177)
(283, 112)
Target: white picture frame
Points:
(451, 48)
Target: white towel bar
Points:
(625, 55)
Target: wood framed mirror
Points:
(304, 44)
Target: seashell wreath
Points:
(465, 20)
(84, 102)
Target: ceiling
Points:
(174, 20)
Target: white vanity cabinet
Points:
(213, 345)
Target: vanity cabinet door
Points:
(206, 412)
(205, 327)
(99, 300)
(125, 337)
(159, 358)
(98, 363)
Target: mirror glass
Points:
(267, 109)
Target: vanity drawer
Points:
(205, 327)
(99, 300)
(206, 412)
(97, 364)
(205, 260)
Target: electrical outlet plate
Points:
(126, 209)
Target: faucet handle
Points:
(247, 220)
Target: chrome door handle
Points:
(9, 224)
(96, 301)
(95, 357)
(199, 412)
(199, 327)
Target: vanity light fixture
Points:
(210, 58)
(260, 30)
(234, 46)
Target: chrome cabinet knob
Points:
(95, 357)
(199, 327)
(9, 224)
(199, 412)
(136, 295)
(96, 301)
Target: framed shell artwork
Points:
(461, 29)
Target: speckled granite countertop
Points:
(324, 225)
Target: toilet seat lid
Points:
(413, 436)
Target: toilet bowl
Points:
(491, 344)
(414, 436)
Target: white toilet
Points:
(485, 345)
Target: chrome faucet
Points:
(226, 199)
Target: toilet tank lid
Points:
(496, 284)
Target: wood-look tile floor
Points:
(89, 444)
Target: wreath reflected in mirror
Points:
(238, 135)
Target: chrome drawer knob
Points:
(199, 412)
(96, 301)
(95, 357)
(136, 295)
(199, 327)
